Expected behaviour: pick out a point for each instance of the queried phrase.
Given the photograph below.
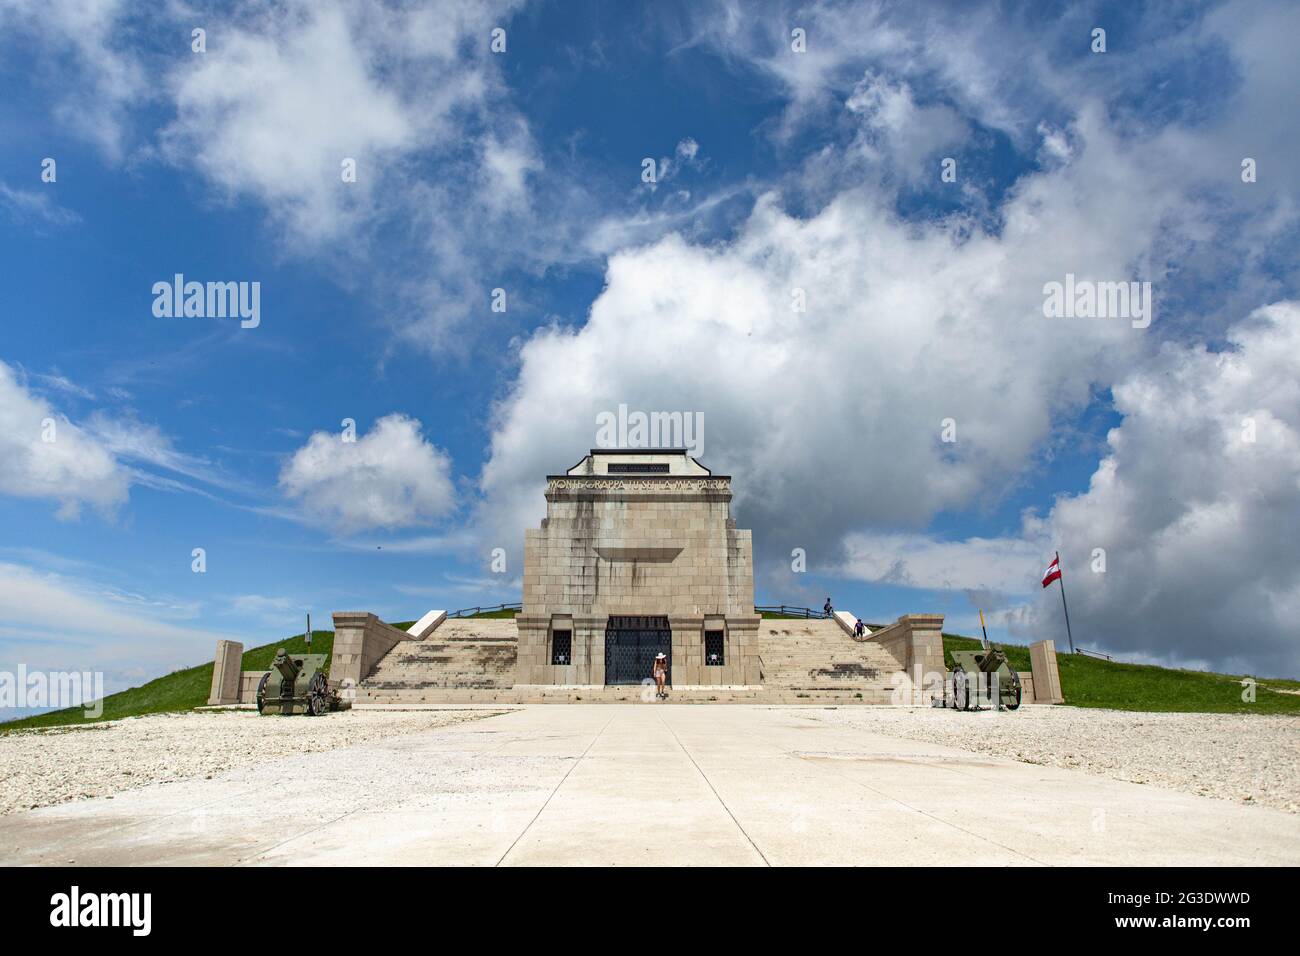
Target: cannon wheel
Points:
(261, 691)
(318, 695)
(1014, 702)
(960, 689)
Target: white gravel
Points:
(1240, 757)
(47, 766)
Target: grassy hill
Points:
(1087, 682)
(178, 691)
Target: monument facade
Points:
(638, 555)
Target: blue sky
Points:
(522, 170)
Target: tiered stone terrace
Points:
(473, 661)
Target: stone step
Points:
(811, 662)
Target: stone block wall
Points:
(916, 642)
(662, 546)
(360, 640)
(248, 686)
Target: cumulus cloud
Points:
(1182, 550)
(276, 105)
(412, 93)
(287, 91)
(390, 478)
(74, 468)
(1196, 504)
(414, 96)
(833, 415)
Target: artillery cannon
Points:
(296, 684)
(983, 678)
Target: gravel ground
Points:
(43, 767)
(1238, 757)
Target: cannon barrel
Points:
(992, 660)
(286, 665)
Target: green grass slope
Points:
(1089, 682)
(178, 691)
(1086, 681)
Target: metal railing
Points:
(789, 610)
(473, 611)
(1098, 654)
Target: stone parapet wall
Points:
(916, 642)
(360, 640)
(248, 686)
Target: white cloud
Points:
(286, 92)
(274, 107)
(389, 478)
(132, 440)
(1198, 523)
(98, 81)
(56, 622)
(74, 469)
(1001, 565)
(27, 205)
(93, 462)
(832, 417)
(896, 130)
(506, 165)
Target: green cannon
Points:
(983, 678)
(296, 684)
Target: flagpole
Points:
(1061, 581)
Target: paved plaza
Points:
(644, 784)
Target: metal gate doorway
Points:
(631, 643)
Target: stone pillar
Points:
(688, 651)
(742, 646)
(1047, 679)
(226, 673)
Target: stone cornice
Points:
(717, 484)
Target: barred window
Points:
(633, 468)
(713, 655)
(562, 647)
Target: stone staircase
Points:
(816, 662)
(469, 659)
(472, 660)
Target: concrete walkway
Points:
(644, 784)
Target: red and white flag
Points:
(1053, 572)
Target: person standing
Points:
(660, 672)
